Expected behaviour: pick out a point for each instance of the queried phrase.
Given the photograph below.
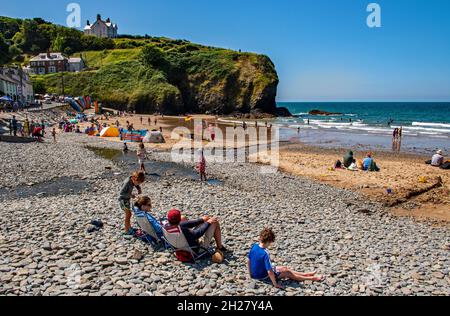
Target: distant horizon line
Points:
(352, 101)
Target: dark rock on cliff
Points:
(323, 113)
(282, 112)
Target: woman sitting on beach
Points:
(349, 159)
(144, 205)
(369, 164)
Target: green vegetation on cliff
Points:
(150, 74)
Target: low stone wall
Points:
(16, 139)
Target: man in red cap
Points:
(193, 230)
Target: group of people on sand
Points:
(350, 163)
(200, 232)
(397, 137)
(27, 128)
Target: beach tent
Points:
(154, 138)
(111, 131)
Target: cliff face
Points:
(174, 77)
(249, 86)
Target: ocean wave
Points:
(431, 124)
(425, 129)
(300, 114)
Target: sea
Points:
(369, 125)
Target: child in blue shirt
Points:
(260, 267)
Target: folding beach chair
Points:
(174, 236)
(150, 235)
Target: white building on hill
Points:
(101, 28)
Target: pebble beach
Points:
(49, 194)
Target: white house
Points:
(76, 64)
(101, 28)
(16, 84)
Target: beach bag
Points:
(446, 166)
(218, 257)
(184, 256)
(338, 165)
(428, 162)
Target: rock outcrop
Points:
(323, 113)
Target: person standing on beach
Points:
(26, 127)
(149, 120)
(54, 135)
(10, 127)
(142, 156)
(202, 167)
(125, 196)
(14, 125)
(142, 119)
(43, 127)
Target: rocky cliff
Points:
(173, 77)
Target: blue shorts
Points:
(267, 278)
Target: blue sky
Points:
(323, 49)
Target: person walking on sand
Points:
(260, 266)
(142, 119)
(149, 120)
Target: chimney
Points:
(88, 23)
(99, 17)
(108, 20)
(48, 54)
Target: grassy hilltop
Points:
(149, 74)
